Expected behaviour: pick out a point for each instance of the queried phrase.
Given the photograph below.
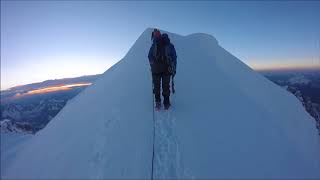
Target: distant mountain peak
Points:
(7, 126)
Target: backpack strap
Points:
(167, 54)
(155, 49)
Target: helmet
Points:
(155, 34)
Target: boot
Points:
(166, 102)
(158, 105)
(157, 98)
(158, 102)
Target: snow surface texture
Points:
(226, 121)
(11, 144)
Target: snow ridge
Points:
(226, 121)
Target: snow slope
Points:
(227, 121)
(11, 144)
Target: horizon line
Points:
(258, 69)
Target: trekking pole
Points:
(172, 84)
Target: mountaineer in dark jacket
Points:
(163, 61)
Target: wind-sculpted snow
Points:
(226, 122)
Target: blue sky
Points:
(57, 39)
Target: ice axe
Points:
(172, 84)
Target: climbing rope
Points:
(154, 129)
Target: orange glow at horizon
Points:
(49, 89)
(265, 67)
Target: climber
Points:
(163, 61)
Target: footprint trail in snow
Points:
(167, 155)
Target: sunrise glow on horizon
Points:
(50, 89)
(257, 67)
(285, 67)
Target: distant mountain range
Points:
(6, 95)
(305, 85)
(32, 112)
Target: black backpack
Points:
(159, 52)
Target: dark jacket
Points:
(165, 48)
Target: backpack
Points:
(169, 60)
(159, 51)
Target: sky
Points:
(43, 40)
